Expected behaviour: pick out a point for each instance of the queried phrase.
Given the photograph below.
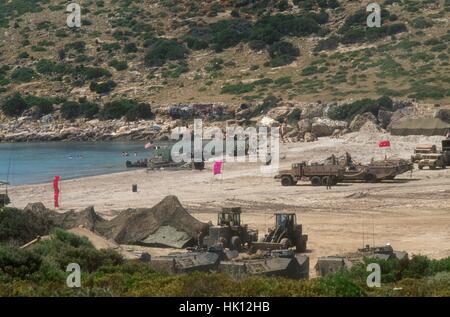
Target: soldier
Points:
(329, 182)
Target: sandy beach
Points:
(411, 212)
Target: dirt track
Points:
(411, 212)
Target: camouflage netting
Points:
(135, 225)
(165, 224)
(420, 126)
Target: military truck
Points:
(432, 161)
(229, 232)
(422, 149)
(318, 174)
(286, 233)
(4, 198)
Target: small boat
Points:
(137, 164)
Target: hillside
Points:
(166, 52)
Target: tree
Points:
(14, 105)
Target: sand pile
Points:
(166, 224)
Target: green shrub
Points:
(237, 89)
(130, 48)
(102, 87)
(14, 105)
(23, 55)
(18, 263)
(45, 67)
(348, 111)
(118, 65)
(164, 50)
(70, 110)
(421, 23)
(139, 111)
(23, 75)
(117, 108)
(44, 105)
(330, 43)
(19, 227)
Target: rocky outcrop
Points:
(443, 114)
(360, 119)
(384, 118)
(325, 127)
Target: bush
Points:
(20, 227)
(348, 111)
(14, 105)
(18, 263)
(237, 89)
(23, 75)
(103, 87)
(130, 48)
(70, 110)
(45, 67)
(118, 65)
(118, 108)
(164, 50)
(330, 43)
(139, 111)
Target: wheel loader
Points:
(229, 232)
(286, 234)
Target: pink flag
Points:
(217, 169)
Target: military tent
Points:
(420, 126)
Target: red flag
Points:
(384, 143)
(56, 191)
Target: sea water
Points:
(30, 163)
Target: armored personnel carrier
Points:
(375, 171)
(330, 264)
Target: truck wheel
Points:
(420, 167)
(285, 243)
(443, 166)
(235, 243)
(315, 181)
(369, 178)
(287, 181)
(432, 167)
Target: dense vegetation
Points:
(324, 47)
(40, 270)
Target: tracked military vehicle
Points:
(286, 234)
(375, 171)
(331, 264)
(229, 232)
